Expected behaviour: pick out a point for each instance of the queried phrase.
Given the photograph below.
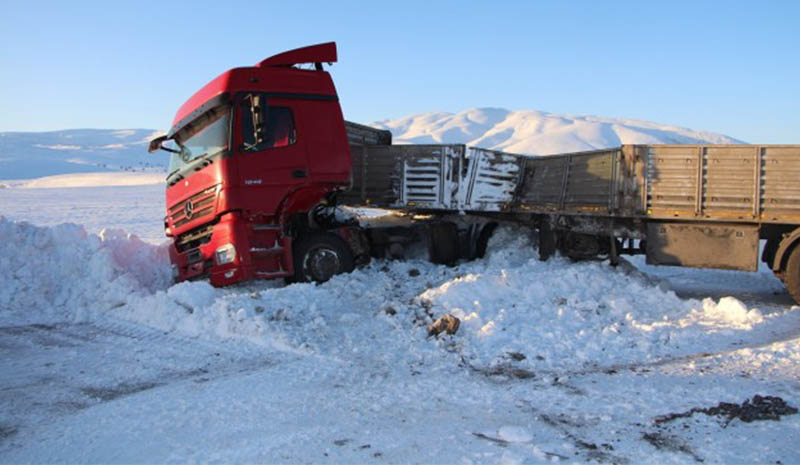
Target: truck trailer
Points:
(261, 159)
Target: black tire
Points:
(791, 275)
(548, 241)
(770, 249)
(483, 239)
(443, 243)
(320, 256)
(580, 246)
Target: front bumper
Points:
(260, 253)
(199, 262)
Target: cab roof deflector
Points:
(320, 53)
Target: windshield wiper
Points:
(194, 162)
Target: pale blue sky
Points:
(729, 67)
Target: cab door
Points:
(271, 155)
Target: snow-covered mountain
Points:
(538, 133)
(34, 154)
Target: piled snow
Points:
(64, 274)
(552, 315)
(538, 133)
(560, 314)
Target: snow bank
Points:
(62, 273)
(514, 309)
(559, 314)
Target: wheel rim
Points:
(321, 264)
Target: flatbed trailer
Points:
(705, 206)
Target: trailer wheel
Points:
(320, 256)
(443, 243)
(581, 246)
(791, 276)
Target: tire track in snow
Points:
(55, 370)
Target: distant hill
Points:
(25, 155)
(538, 133)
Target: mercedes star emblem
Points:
(188, 209)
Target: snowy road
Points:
(103, 361)
(121, 393)
(50, 371)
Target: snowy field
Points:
(102, 360)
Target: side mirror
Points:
(155, 144)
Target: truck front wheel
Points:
(320, 256)
(791, 275)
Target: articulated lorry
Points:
(261, 157)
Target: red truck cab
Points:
(254, 149)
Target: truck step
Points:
(266, 227)
(274, 250)
(272, 274)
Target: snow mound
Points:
(538, 133)
(518, 315)
(516, 311)
(62, 273)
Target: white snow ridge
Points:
(538, 133)
(64, 274)
(559, 313)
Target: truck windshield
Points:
(206, 136)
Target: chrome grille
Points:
(194, 238)
(200, 205)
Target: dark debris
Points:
(755, 409)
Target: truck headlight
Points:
(225, 254)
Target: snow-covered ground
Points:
(117, 178)
(104, 361)
(138, 210)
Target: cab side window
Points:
(266, 126)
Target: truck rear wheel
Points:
(443, 243)
(791, 276)
(483, 240)
(320, 256)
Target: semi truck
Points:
(261, 159)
